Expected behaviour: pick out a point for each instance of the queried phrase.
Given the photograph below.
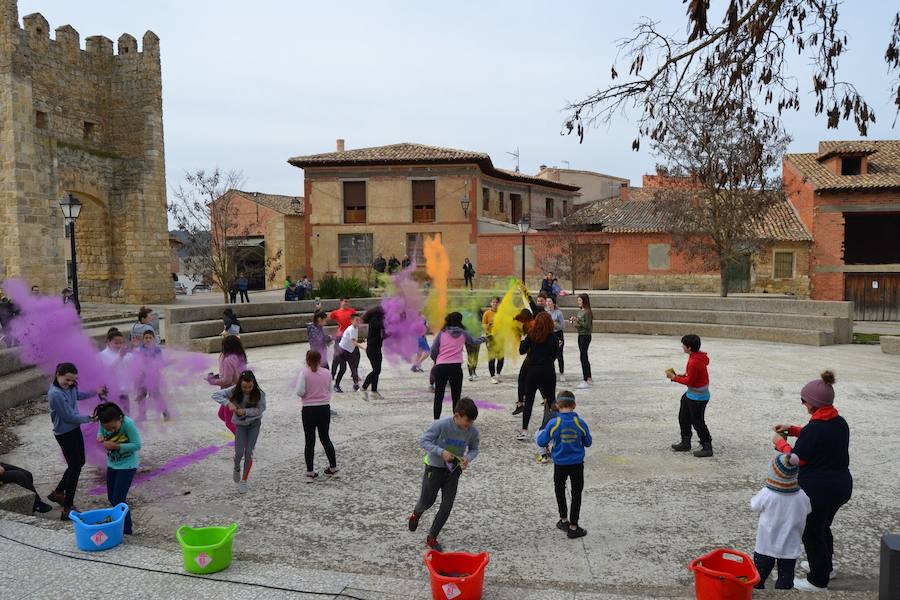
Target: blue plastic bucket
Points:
(101, 529)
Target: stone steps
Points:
(842, 310)
(21, 386)
(713, 330)
(275, 337)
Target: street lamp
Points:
(465, 201)
(71, 208)
(296, 207)
(524, 224)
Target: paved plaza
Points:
(648, 510)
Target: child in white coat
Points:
(782, 508)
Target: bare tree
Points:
(727, 185)
(204, 209)
(739, 67)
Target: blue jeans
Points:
(118, 482)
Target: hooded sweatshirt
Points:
(449, 343)
(696, 377)
(570, 436)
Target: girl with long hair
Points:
(374, 318)
(559, 323)
(247, 402)
(446, 352)
(540, 346)
(584, 325)
(232, 362)
(524, 319)
(314, 390)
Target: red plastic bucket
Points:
(724, 574)
(456, 575)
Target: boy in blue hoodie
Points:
(570, 436)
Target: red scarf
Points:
(825, 413)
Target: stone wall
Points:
(86, 122)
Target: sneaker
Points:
(522, 436)
(57, 497)
(413, 521)
(331, 472)
(518, 409)
(583, 385)
(576, 533)
(495, 380)
(64, 515)
(243, 486)
(805, 586)
(375, 396)
(41, 507)
(499, 379)
(365, 395)
(338, 389)
(804, 566)
(432, 543)
(333, 412)
(562, 525)
(471, 378)
(236, 475)
(355, 387)
(682, 446)
(311, 477)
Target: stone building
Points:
(366, 201)
(592, 185)
(848, 195)
(86, 122)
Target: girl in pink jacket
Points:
(232, 362)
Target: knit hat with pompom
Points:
(819, 392)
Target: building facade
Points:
(86, 122)
(848, 195)
(386, 200)
(592, 185)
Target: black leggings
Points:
(561, 338)
(469, 283)
(584, 340)
(495, 364)
(72, 446)
(348, 358)
(576, 474)
(443, 374)
(317, 418)
(541, 378)
(472, 352)
(826, 497)
(244, 296)
(20, 477)
(375, 358)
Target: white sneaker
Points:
(471, 378)
(805, 586)
(804, 566)
(236, 475)
(522, 436)
(243, 487)
(365, 395)
(495, 380)
(375, 396)
(583, 385)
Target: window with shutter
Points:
(486, 199)
(784, 265)
(354, 202)
(423, 201)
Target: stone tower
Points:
(86, 122)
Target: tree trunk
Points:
(723, 277)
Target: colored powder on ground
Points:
(437, 265)
(482, 404)
(507, 332)
(403, 321)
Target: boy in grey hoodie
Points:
(451, 445)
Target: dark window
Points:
(784, 265)
(354, 249)
(515, 207)
(871, 239)
(423, 201)
(852, 165)
(415, 246)
(565, 208)
(485, 199)
(548, 207)
(500, 205)
(40, 119)
(354, 202)
(89, 129)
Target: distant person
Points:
(342, 317)
(374, 318)
(559, 324)
(230, 323)
(495, 348)
(406, 262)
(583, 321)
(556, 289)
(232, 292)
(145, 317)
(288, 282)
(692, 413)
(379, 264)
(349, 345)
(547, 284)
(68, 295)
(468, 274)
(35, 290)
(305, 288)
(393, 264)
(290, 293)
(243, 288)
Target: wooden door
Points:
(739, 275)
(591, 270)
(875, 296)
(515, 208)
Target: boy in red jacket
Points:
(694, 401)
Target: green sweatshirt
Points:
(584, 323)
(129, 439)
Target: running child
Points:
(63, 397)
(782, 508)
(232, 362)
(120, 436)
(695, 400)
(495, 350)
(314, 389)
(247, 403)
(349, 347)
(423, 352)
(115, 357)
(451, 445)
(342, 317)
(149, 378)
(569, 435)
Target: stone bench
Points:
(713, 330)
(19, 383)
(16, 499)
(890, 344)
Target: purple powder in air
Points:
(403, 320)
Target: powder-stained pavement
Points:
(648, 511)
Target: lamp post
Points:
(465, 202)
(524, 224)
(71, 208)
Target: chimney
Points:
(340, 145)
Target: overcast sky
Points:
(246, 85)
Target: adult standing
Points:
(243, 288)
(468, 274)
(559, 323)
(374, 318)
(393, 265)
(584, 325)
(232, 292)
(145, 318)
(540, 346)
(406, 262)
(823, 447)
(342, 317)
(379, 264)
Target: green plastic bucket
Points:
(206, 549)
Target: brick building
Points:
(848, 196)
(265, 235)
(86, 122)
(366, 201)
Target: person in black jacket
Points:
(540, 346)
(823, 447)
(468, 274)
(374, 318)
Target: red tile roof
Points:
(883, 165)
(280, 204)
(407, 153)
